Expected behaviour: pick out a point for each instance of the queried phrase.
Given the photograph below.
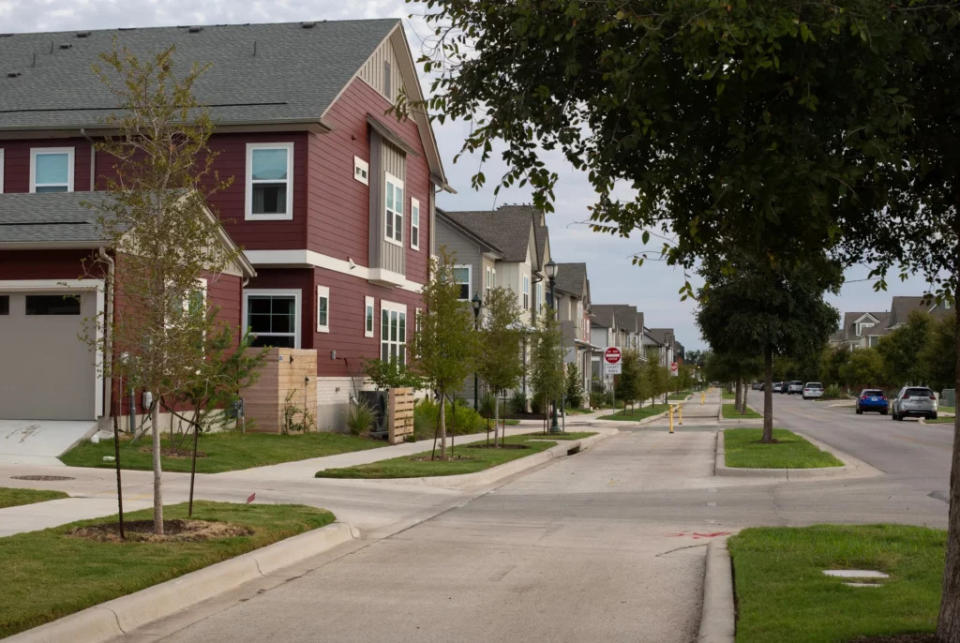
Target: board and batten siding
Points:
(464, 252)
(386, 159)
(374, 73)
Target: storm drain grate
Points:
(573, 450)
(41, 478)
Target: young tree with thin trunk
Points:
(166, 240)
(499, 360)
(445, 344)
(546, 362)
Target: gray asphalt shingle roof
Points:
(901, 307)
(625, 317)
(508, 228)
(57, 217)
(258, 73)
(571, 278)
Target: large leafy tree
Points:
(901, 348)
(781, 128)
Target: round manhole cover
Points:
(41, 478)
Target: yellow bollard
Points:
(671, 418)
(680, 413)
(703, 396)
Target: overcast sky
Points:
(653, 288)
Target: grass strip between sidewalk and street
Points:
(729, 395)
(678, 397)
(743, 448)
(636, 414)
(49, 574)
(783, 595)
(226, 451)
(10, 497)
(730, 412)
(468, 458)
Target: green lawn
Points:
(782, 594)
(682, 395)
(465, 459)
(729, 395)
(48, 574)
(569, 435)
(223, 451)
(636, 414)
(744, 449)
(946, 409)
(941, 420)
(13, 497)
(730, 413)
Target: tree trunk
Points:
(116, 460)
(443, 426)
(948, 624)
(157, 471)
(737, 395)
(767, 394)
(496, 419)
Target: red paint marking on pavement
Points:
(711, 535)
(251, 497)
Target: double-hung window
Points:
(368, 316)
(526, 292)
(538, 297)
(393, 332)
(51, 169)
(269, 181)
(393, 212)
(491, 279)
(273, 317)
(461, 277)
(415, 224)
(323, 309)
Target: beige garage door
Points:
(46, 371)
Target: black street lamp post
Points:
(477, 304)
(552, 278)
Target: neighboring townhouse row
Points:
(864, 329)
(332, 199)
(622, 326)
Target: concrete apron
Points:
(39, 442)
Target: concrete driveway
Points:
(39, 442)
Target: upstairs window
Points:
(323, 309)
(461, 277)
(361, 170)
(414, 224)
(269, 181)
(393, 212)
(538, 297)
(51, 169)
(368, 316)
(526, 292)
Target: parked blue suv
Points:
(872, 399)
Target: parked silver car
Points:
(917, 401)
(796, 386)
(812, 390)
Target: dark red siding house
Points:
(332, 198)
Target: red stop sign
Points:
(612, 355)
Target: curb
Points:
(718, 619)
(852, 467)
(468, 481)
(121, 615)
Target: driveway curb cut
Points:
(119, 616)
(852, 467)
(718, 619)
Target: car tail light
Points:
(933, 397)
(906, 396)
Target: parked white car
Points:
(812, 390)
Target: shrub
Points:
(461, 419)
(574, 387)
(360, 417)
(486, 405)
(600, 399)
(833, 392)
(518, 403)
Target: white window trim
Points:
(1, 170)
(287, 292)
(525, 291)
(369, 303)
(389, 178)
(415, 207)
(469, 279)
(360, 164)
(248, 183)
(392, 306)
(34, 151)
(323, 292)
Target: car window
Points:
(871, 391)
(919, 391)
(814, 385)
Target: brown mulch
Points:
(502, 446)
(173, 531)
(918, 637)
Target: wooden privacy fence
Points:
(286, 390)
(399, 414)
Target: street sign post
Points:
(612, 361)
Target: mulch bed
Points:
(924, 637)
(502, 446)
(174, 452)
(173, 531)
